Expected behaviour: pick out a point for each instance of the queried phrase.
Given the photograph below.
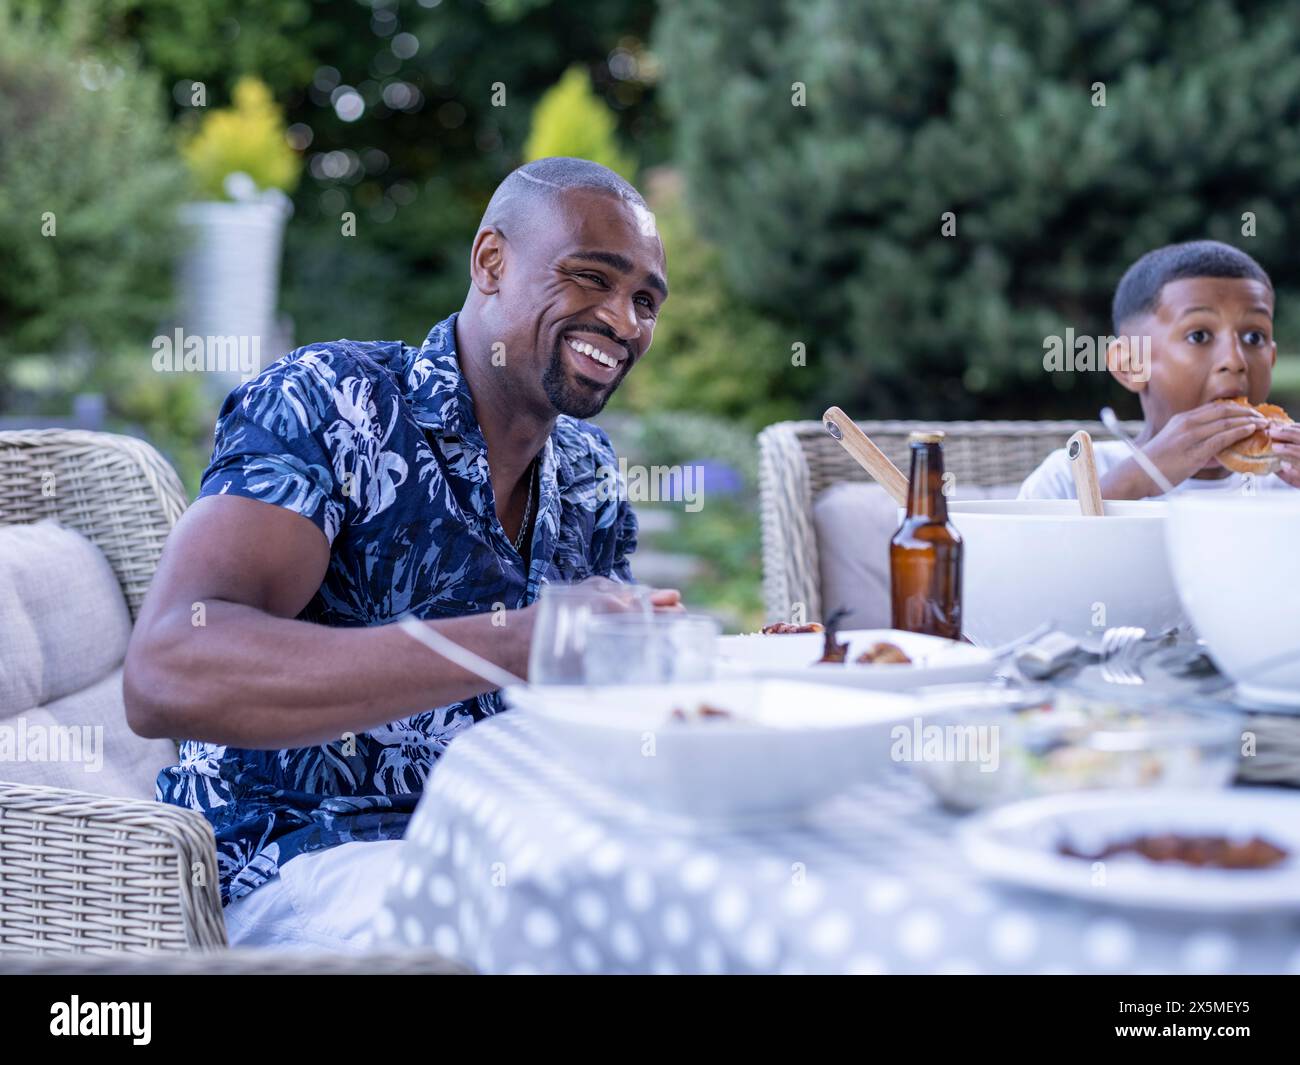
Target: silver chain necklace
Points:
(528, 513)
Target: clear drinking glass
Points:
(564, 617)
(658, 649)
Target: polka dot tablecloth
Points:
(514, 864)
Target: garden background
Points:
(800, 158)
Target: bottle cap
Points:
(934, 437)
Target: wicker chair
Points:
(797, 461)
(116, 491)
(239, 961)
(84, 874)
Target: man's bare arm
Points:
(251, 676)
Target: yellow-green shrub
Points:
(570, 119)
(248, 137)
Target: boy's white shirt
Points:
(1053, 479)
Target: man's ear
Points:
(1129, 362)
(487, 260)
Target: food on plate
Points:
(1217, 852)
(883, 654)
(1255, 454)
(1071, 742)
(703, 712)
(782, 628)
(833, 651)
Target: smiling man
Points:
(355, 482)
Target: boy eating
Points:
(1206, 310)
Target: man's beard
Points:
(575, 399)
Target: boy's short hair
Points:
(1139, 289)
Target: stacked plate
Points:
(795, 656)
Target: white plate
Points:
(793, 656)
(787, 747)
(1018, 844)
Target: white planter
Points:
(230, 277)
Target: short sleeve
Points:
(270, 444)
(1051, 480)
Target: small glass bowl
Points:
(1039, 742)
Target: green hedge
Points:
(830, 213)
(89, 186)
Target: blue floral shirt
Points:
(377, 444)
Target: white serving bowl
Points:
(1237, 561)
(1027, 561)
(788, 746)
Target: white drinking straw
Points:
(1111, 422)
(461, 656)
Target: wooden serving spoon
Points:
(1083, 465)
(868, 456)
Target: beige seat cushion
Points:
(64, 627)
(854, 522)
(82, 742)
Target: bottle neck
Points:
(925, 498)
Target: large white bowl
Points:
(1237, 560)
(1030, 561)
(789, 745)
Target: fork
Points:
(1119, 654)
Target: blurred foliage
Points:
(724, 533)
(726, 537)
(384, 301)
(212, 41)
(830, 214)
(712, 351)
(676, 436)
(1286, 381)
(572, 120)
(418, 165)
(89, 184)
(248, 138)
(174, 411)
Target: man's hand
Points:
(623, 597)
(667, 601)
(1286, 442)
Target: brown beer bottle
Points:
(925, 553)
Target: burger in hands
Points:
(1256, 454)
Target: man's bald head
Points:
(528, 194)
(567, 277)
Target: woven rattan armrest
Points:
(242, 961)
(82, 873)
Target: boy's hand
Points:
(1286, 442)
(1192, 438)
